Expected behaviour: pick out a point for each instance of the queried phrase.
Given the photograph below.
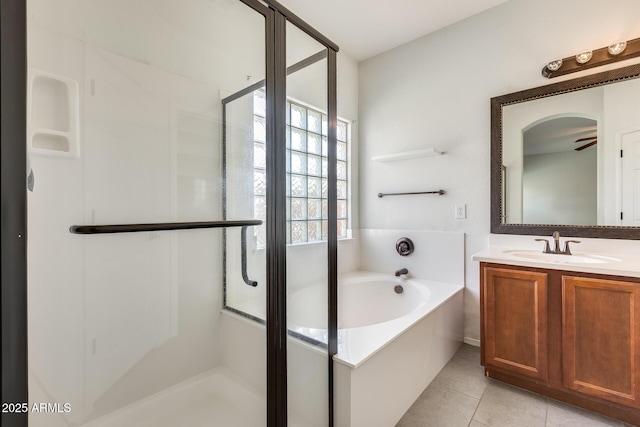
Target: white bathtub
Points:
(364, 299)
(370, 313)
(390, 346)
(383, 367)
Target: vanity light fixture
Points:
(618, 51)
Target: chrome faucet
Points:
(402, 271)
(556, 248)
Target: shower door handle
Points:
(243, 248)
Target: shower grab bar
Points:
(168, 226)
(440, 192)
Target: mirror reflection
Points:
(561, 158)
(559, 180)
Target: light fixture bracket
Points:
(600, 57)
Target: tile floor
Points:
(461, 396)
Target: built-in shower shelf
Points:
(52, 115)
(407, 155)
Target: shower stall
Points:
(158, 157)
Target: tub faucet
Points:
(402, 271)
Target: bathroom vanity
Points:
(561, 328)
(565, 325)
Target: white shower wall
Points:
(108, 309)
(114, 318)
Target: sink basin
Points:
(561, 259)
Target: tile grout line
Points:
(476, 410)
(546, 412)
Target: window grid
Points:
(307, 163)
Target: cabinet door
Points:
(600, 343)
(514, 321)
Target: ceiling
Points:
(558, 135)
(365, 28)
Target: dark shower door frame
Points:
(13, 79)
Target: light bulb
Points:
(617, 48)
(554, 65)
(584, 56)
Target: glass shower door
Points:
(306, 188)
(125, 131)
(309, 200)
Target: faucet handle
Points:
(547, 249)
(566, 246)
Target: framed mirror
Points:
(558, 159)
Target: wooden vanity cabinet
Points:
(571, 336)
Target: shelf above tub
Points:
(407, 155)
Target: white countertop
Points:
(618, 264)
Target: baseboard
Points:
(472, 341)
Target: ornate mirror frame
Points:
(497, 103)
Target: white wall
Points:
(560, 188)
(435, 91)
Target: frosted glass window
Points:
(259, 104)
(314, 187)
(314, 231)
(259, 129)
(298, 185)
(259, 182)
(298, 162)
(314, 210)
(342, 170)
(298, 231)
(314, 121)
(314, 144)
(259, 156)
(298, 116)
(342, 131)
(298, 208)
(298, 140)
(342, 189)
(307, 166)
(342, 209)
(314, 165)
(342, 228)
(260, 211)
(341, 151)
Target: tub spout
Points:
(402, 271)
